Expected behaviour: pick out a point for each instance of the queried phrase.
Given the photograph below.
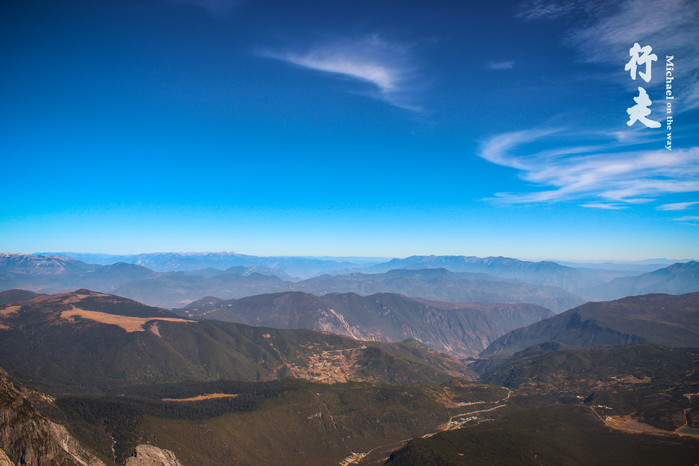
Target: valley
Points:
(351, 378)
(463, 329)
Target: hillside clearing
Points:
(130, 324)
(209, 396)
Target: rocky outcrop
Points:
(4, 459)
(148, 455)
(29, 438)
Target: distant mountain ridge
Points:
(176, 289)
(283, 266)
(444, 285)
(537, 273)
(46, 265)
(571, 278)
(677, 278)
(629, 267)
(463, 329)
(53, 274)
(655, 318)
(495, 279)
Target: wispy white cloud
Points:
(387, 67)
(543, 9)
(668, 26)
(608, 173)
(501, 65)
(601, 205)
(677, 206)
(598, 174)
(498, 149)
(609, 29)
(217, 8)
(688, 218)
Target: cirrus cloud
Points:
(386, 67)
(603, 175)
(677, 206)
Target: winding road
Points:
(381, 453)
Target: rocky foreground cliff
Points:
(27, 437)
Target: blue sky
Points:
(381, 128)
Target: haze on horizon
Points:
(109, 258)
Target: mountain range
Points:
(677, 278)
(290, 267)
(537, 273)
(661, 319)
(443, 285)
(282, 266)
(90, 340)
(507, 280)
(125, 378)
(50, 274)
(463, 329)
